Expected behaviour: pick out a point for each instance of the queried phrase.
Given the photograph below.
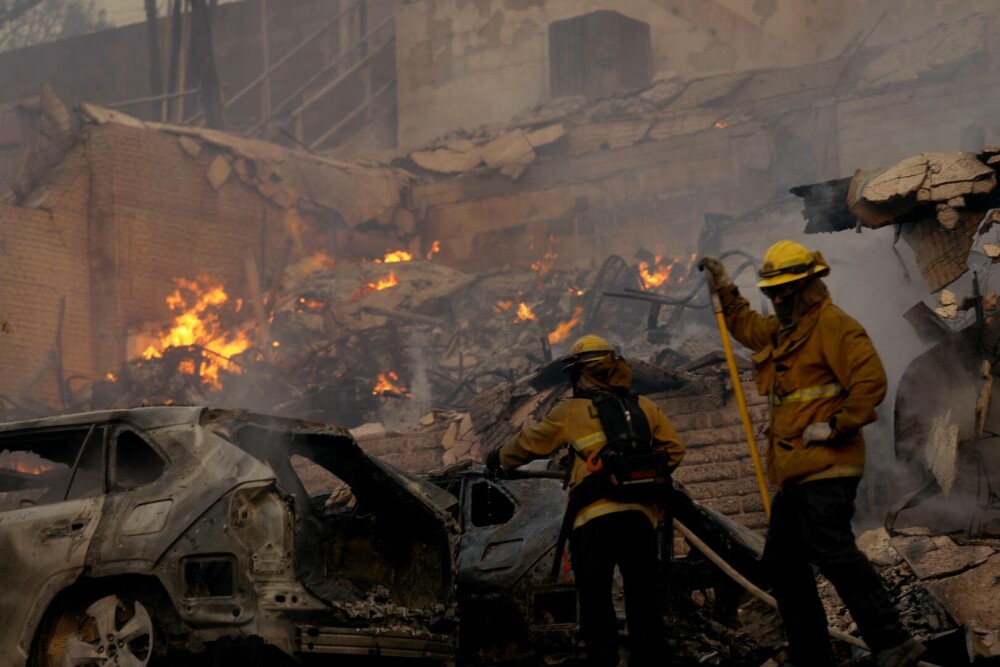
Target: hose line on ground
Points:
(758, 593)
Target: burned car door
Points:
(52, 491)
(506, 592)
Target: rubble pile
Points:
(942, 204)
(575, 125)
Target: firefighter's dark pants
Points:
(811, 523)
(628, 540)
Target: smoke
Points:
(405, 413)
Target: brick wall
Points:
(717, 468)
(157, 218)
(45, 262)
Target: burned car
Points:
(515, 610)
(512, 609)
(132, 535)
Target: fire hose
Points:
(761, 595)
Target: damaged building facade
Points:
(562, 186)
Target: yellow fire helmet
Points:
(787, 261)
(587, 349)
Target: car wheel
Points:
(111, 632)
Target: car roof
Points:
(146, 417)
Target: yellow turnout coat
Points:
(825, 368)
(574, 422)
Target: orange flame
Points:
(198, 324)
(435, 249)
(395, 256)
(545, 264)
(524, 313)
(387, 384)
(23, 462)
(305, 304)
(657, 274)
(562, 330)
(383, 283)
(721, 125)
(31, 470)
(503, 306)
(659, 271)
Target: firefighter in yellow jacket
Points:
(823, 380)
(609, 527)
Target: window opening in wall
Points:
(49, 467)
(136, 462)
(599, 54)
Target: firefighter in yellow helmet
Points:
(823, 379)
(623, 451)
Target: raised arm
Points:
(537, 440)
(747, 325)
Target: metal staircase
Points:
(328, 88)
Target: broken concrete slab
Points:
(447, 161)
(898, 181)
(103, 116)
(190, 146)
(546, 135)
(663, 92)
(948, 305)
(590, 137)
(511, 147)
(938, 556)
(941, 450)
(973, 600)
(219, 171)
(876, 544)
(954, 174)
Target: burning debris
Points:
(344, 338)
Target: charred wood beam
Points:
(153, 45)
(203, 57)
(176, 43)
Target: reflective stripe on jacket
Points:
(824, 368)
(574, 422)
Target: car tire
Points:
(111, 631)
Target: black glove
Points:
(494, 469)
